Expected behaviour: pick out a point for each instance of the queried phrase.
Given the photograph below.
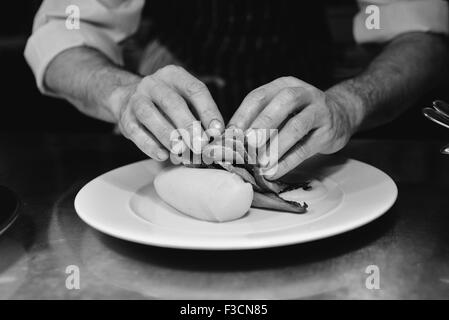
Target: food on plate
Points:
(224, 185)
(266, 193)
(212, 194)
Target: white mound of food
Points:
(212, 194)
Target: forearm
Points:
(408, 67)
(86, 78)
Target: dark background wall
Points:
(23, 108)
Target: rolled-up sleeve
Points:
(401, 16)
(103, 25)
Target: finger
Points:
(149, 116)
(256, 101)
(288, 101)
(281, 107)
(145, 141)
(293, 131)
(176, 109)
(197, 93)
(169, 102)
(294, 157)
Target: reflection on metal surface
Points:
(13, 267)
(409, 244)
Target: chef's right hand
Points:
(154, 107)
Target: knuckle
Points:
(285, 165)
(146, 82)
(141, 110)
(299, 127)
(257, 95)
(186, 125)
(290, 93)
(316, 93)
(195, 88)
(169, 69)
(131, 129)
(171, 100)
(266, 119)
(289, 80)
(299, 153)
(165, 132)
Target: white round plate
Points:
(122, 203)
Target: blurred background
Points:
(24, 109)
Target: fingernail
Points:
(251, 137)
(269, 176)
(215, 127)
(264, 160)
(231, 128)
(161, 154)
(269, 172)
(261, 137)
(213, 132)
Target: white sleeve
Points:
(103, 24)
(401, 16)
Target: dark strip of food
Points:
(266, 193)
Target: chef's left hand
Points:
(308, 120)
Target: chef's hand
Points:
(153, 108)
(308, 120)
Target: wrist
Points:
(118, 99)
(118, 86)
(352, 104)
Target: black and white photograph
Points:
(224, 155)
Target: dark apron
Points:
(237, 45)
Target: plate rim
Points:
(249, 245)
